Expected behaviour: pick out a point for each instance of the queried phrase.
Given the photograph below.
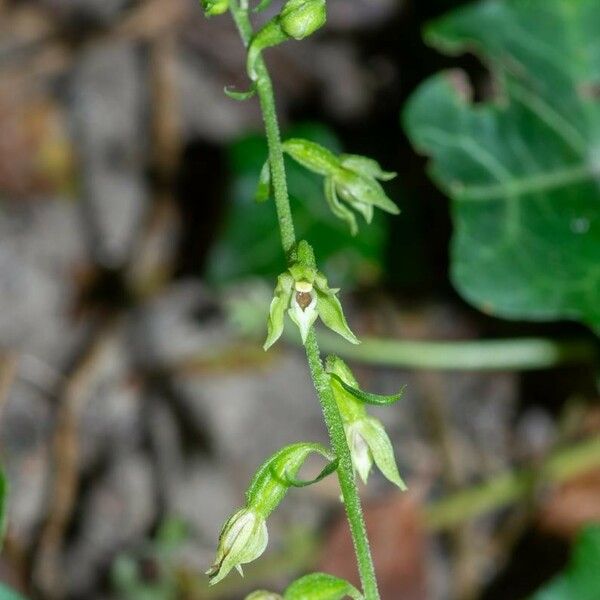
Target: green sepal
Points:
(263, 189)
(380, 447)
(321, 586)
(357, 189)
(243, 539)
(312, 156)
(368, 397)
(330, 309)
(337, 208)
(279, 304)
(240, 96)
(277, 474)
(366, 166)
(301, 18)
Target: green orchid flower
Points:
(303, 292)
(351, 181)
(368, 441)
(244, 536)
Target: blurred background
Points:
(135, 275)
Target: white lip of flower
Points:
(243, 539)
(304, 315)
(361, 453)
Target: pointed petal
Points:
(366, 166)
(337, 208)
(331, 313)
(359, 189)
(279, 304)
(382, 450)
(311, 156)
(239, 569)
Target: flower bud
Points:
(301, 18)
(297, 20)
(243, 539)
(214, 7)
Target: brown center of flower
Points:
(303, 299)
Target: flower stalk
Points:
(302, 291)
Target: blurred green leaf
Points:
(523, 171)
(7, 593)
(249, 243)
(581, 578)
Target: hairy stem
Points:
(346, 475)
(333, 419)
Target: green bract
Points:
(320, 586)
(366, 435)
(244, 536)
(305, 294)
(350, 180)
(297, 20)
(214, 7)
(316, 586)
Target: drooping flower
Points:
(244, 536)
(351, 181)
(243, 539)
(368, 441)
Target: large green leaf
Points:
(581, 579)
(249, 244)
(523, 170)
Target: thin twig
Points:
(511, 486)
(8, 372)
(48, 573)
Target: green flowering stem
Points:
(331, 413)
(264, 88)
(345, 470)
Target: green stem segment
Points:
(345, 470)
(333, 419)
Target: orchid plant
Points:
(358, 440)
